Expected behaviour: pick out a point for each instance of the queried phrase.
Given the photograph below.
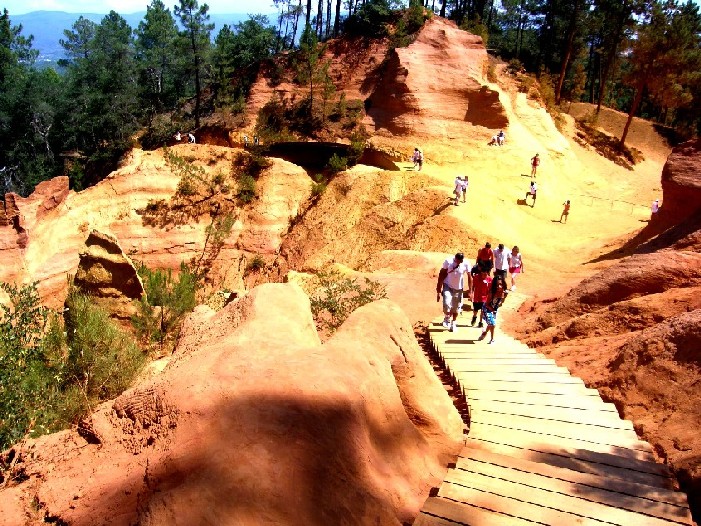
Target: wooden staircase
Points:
(542, 448)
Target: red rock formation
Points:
(253, 422)
(436, 86)
(681, 184)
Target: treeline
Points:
(113, 84)
(116, 84)
(638, 56)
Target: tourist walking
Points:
(480, 290)
(532, 192)
(535, 163)
(464, 185)
(451, 280)
(654, 209)
(501, 260)
(191, 138)
(501, 138)
(515, 265)
(565, 211)
(495, 299)
(418, 159)
(485, 257)
(457, 190)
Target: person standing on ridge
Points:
(451, 280)
(191, 138)
(464, 185)
(535, 162)
(654, 209)
(457, 190)
(565, 211)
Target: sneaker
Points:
(454, 326)
(480, 325)
(513, 287)
(491, 342)
(474, 320)
(446, 322)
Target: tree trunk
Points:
(633, 109)
(443, 2)
(571, 32)
(320, 20)
(327, 32)
(296, 24)
(309, 12)
(198, 89)
(337, 19)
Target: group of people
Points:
(461, 184)
(256, 141)
(498, 139)
(190, 137)
(486, 292)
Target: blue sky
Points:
(19, 7)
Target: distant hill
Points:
(47, 27)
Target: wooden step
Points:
(665, 504)
(541, 400)
(555, 497)
(586, 461)
(439, 511)
(584, 416)
(506, 370)
(470, 382)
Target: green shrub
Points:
(318, 189)
(102, 360)
(515, 66)
(167, 301)
(256, 264)
(338, 296)
(337, 164)
(247, 188)
(370, 19)
(52, 371)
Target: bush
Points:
(515, 66)
(337, 164)
(247, 188)
(102, 359)
(339, 296)
(52, 371)
(166, 303)
(255, 265)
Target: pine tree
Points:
(195, 20)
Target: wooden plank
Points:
(541, 399)
(556, 497)
(500, 434)
(464, 513)
(506, 360)
(519, 507)
(542, 377)
(486, 350)
(424, 519)
(470, 382)
(585, 461)
(509, 370)
(582, 416)
(665, 504)
(608, 431)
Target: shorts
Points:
(515, 270)
(499, 272)
(452, 300)
(477, 305)
(489, 316)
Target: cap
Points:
(459, 256)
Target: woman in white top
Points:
(515, 265)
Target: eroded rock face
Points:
(436, 86)
(681, 183)
(257, 422)
(108, 275)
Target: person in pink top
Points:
(515, 265)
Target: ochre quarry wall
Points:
(436, 86)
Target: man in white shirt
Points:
(451, 280)
(501, 261)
